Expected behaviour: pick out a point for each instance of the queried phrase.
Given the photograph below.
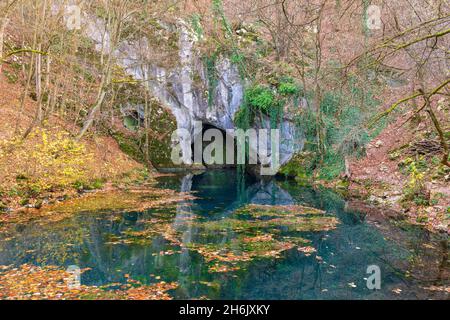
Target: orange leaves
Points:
(308, 250)
(51, 283)
(265, 237)
(157, 291)
(137, 199)
(222, 268)
(260, 211)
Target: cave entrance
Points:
(198, 141)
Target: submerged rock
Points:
(258, 231)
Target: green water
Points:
(112, 246)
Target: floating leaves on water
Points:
(138, 199)
(257, 232)
(217, 267)
(51, 283)
(228, 244)
(130, 200)
(262, 211)
(229, 256)
(214, 285)
(438, 288)
(307, 250)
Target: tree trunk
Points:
(440, 132)
(348, 173)
(91, 116)
(3, 23)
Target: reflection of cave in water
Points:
(252, 191)
(183, 218)
(224, 191)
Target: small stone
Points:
(442, 227)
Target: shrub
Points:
(288, 88)
(415, 189)
(45, 161)
(261, 98)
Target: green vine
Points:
(211, 74)
(196, 25)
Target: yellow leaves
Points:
(47, 159)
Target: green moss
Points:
(163, 123)
(300, 167)
(422, 219)
(11, 77)
(197, 25)
(257, 232)
(333, 165)
(24, 202)
(129, 146)
(263, 211)
(95, 184)
(212, 77)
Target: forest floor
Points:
(383, 175)
(96, 161)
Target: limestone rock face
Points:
(184, 89)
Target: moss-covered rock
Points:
(300, 167)
(163, 123)
(132, 140)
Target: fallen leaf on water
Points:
(51, 283)
(307, 250)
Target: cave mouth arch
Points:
(198, 141)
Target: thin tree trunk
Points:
(3, 24)
(146, 127)
(101, 96)
(25, 93)
(440, 132)
(91, 116)
(37, 40)
(38, 79)
(115, 30)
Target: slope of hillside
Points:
(395, 162)
(49, 164)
